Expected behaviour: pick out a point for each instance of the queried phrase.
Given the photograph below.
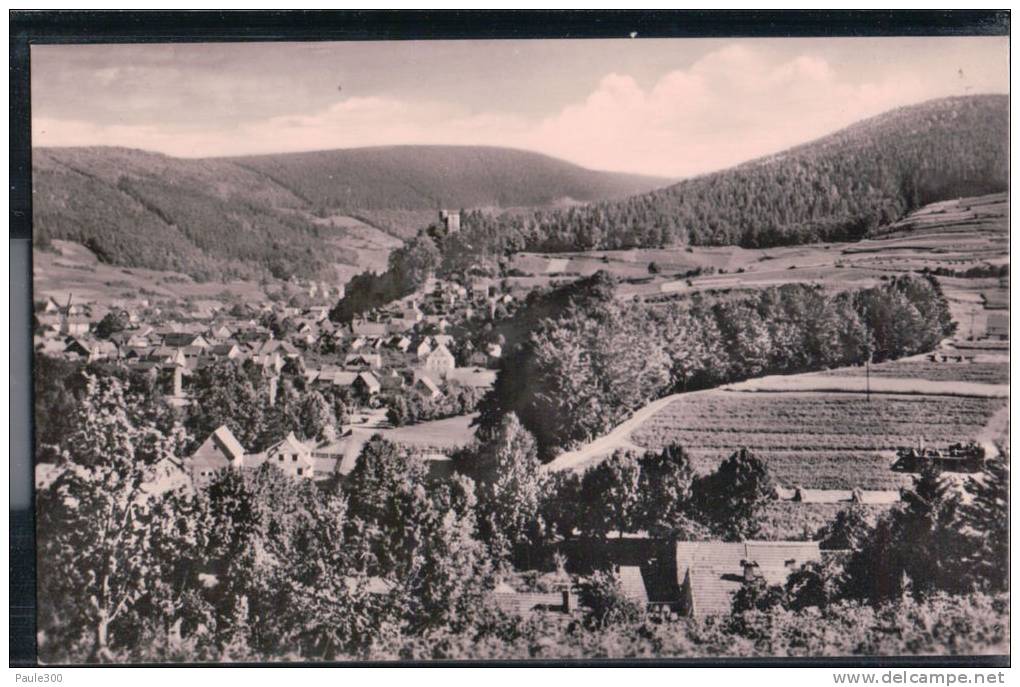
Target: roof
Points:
(633, 583)
(427, 382)
(291, 444)
(369, 379)
(368, 328)
(225, 438)
(472, 376)
(224, 441)
(715, 570)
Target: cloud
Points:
(731, 105)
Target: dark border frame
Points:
(67, 27)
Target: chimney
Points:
(750, 571)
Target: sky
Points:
(667, 107)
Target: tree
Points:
(666, 494)
(602, 593)
(731, 498)
(238, 397)
(987, 517)
(609, 494)
(510, 487)
(758, 595)
(815, 584)
(848, 531)
(111, 323)
(96, 519)
(917, 549)
(316, 416)
(279, 551)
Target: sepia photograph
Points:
(538, 349)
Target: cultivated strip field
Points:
(815, 440)
(978, 372)
(858, 384)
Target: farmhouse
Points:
(710, 573)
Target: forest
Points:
(579, 361)
(838, 188)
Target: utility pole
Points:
(867, 368)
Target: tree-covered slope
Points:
(836, 188)
(244, 217)
(430, 177)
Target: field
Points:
(440, 435)
(815, 440)
(980, 372)
(955, 235)
(73, 269)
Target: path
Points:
(607, 443)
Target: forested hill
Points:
(245, 217)
(430, 177)
(836, 188)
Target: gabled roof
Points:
(368, 328)
(289, 444)
(715, 570)
(441, 350)
(369, 380)
(428, 383)
(224, 439)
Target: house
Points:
(400, 343)
(283, 348)
(220, 333)
(318, 313)
(710, 573)
(220, 451)
(424, 385)
(337, 378)
(423, 348)
(137, 340)
(412, 314)
(439, 362)
(229, 351)
(293, 457)
(90, 350)
(365, 328)
(393, 381)
(998, 326)
(367, 384)
(363, 360)
(75, 325)
(180, 339)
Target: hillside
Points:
(371, 181)
(273, 214)
(837, 188)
